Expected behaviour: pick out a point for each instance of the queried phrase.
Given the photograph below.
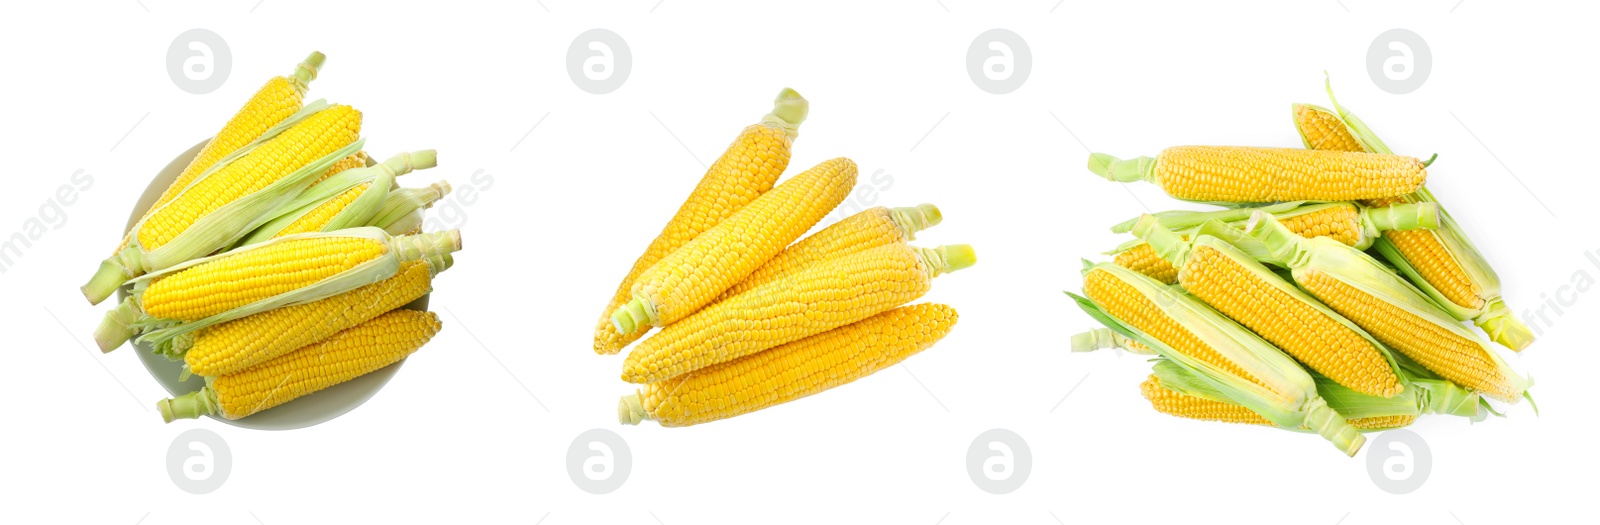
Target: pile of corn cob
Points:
(1328, 296)
(749, 320)
(279, 262)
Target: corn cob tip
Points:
(789, 110)
(634, 315)
(192, 405)
(630, 410)
(1404, 216)
(413, 160)
(1323, 420)
(425, 245)
(948, 258)
(911, 220)
(105, 281)
(1115, 169)
(1503, 327)
(307, 70)
(1097, 339)
(117, 325)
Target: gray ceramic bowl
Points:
(306, 411)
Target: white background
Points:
(457, 437)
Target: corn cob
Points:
(241, 343)
(1180, 328)
(790, 371)
(402, 210)
(857, 233)
(280, 272)
(355, 352)
(279, 98)
(234, 197)
(1379, 301)
(1355, 225)
(1239, 287)
(346, 200)
(825, 296)
(1175, 392)
(688, 279)
(746, 170)
(1346, 222)
(1247, 174)
(1443, 262)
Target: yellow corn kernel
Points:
(1174, 403)
(688, 279)
(1143, 259)
(1125, 303)
(279, 98)
(790, 371)
(1457, 359)
(355, 352)
(857, 233)
(241, 343)
(1320, 342)
(223, 284)
(823, 297)
(1250, 174)
(314, 220)
(746, 170)
(315, 137)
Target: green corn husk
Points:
(128, 319)
(1291, 398)
(1493, 316)
(1176, 251)
(402, 210)
(1374, 221)
(358, 211)
(222, 227)
(1304, 257)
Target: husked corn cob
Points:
(233, 197)
(347, 200)
(241, 343)
(825, 296)
(1443, 262)
(1247, 292)
(688, 279)
(279, 98)
(860, 232)
(1386, 306)
(1180, 328)
(790, 371)
(1248, 174)
(281, 272)
(746, 170)
(355, 352)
